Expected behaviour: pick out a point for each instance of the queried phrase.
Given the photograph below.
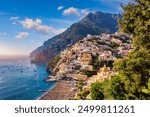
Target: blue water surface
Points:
(21, 80)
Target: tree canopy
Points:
(134, 71)
(97, 91)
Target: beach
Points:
(63, 90)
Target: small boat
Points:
(41, 90)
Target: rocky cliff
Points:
(94, 24)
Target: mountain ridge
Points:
(93, 23)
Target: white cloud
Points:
(60, 8)
(84, 11)
(75, 11)
(38, 27)
(30, 23)
(48, 30)
(43, 29)
(71, 11)
(22, 35)
(14, 18)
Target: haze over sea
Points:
(21, 80)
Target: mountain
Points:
(94, 24)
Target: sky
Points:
(26, 24)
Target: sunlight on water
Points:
(21, 80)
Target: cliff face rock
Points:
(94, 24)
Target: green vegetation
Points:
(98, 64)
(101, 91)
(117, 88)
(134, 71)
(95, 62)
(52, 64)
(89, 73)
(77, 67)
(83, 94)
(114, 45)
(107, 90)
(133, 78)
(97, 91)
(80, 85)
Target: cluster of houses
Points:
(79, 57)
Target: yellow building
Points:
(79, 77)
(104, 71)
(101, 75)
(86, 58)
(87, 67)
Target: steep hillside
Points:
(94, 24)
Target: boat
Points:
(41, 90)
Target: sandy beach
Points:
(63, 90)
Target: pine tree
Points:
(134, 71)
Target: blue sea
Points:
(21, 80)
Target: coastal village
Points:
(89, 60)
